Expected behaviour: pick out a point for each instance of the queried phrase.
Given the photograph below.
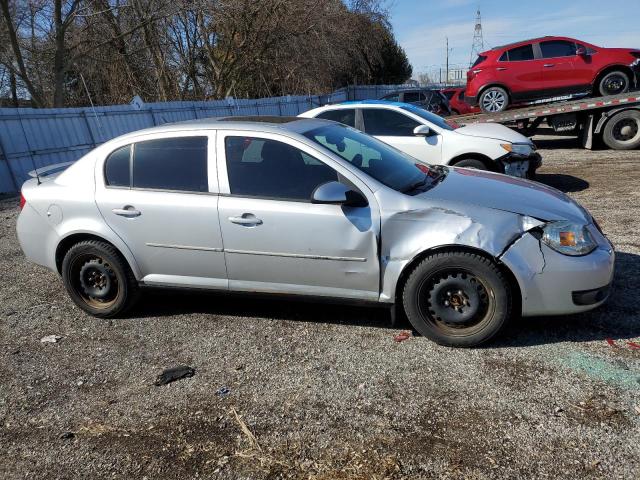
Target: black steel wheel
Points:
(98, 279)
(473, 163)
(622, 131)
(614, 83)
(457, 299)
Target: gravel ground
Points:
(320, 391)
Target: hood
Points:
(502, 192)
(492, 130)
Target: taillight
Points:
(23, 201)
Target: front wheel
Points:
(494, 100)
(98, 279)
(471, 163)
(614, 83)
(457, 299)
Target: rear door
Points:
(519, 70)
(396, 129)
(275, 239)
(160, 195)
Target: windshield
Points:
(431, 117)
(387, 165)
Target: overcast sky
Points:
(421, 26)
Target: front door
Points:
(396, 129)
(559, 75)
(275, 239)
(160, 196)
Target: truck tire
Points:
(614, 83)
(494, 100)
(457, 298)
(622, 131)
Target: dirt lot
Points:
(321, 391)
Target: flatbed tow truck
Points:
(614, 118)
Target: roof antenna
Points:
(93, 108)
(33, 162)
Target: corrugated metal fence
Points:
(34, 138)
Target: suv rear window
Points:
(479, 60)
(519, 54)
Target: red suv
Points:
(546, 68)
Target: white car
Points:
(431, 139)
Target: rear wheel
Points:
(622, 131)
(614, 83)
(457, 299)
(98, 279)
(493, 100)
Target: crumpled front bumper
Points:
(555, 284)
(520, 166)
(635, 67)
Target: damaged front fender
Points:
(408, 234)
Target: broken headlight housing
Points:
(568, 238)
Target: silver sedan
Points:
(311, 207)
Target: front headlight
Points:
(568, 238)
(524, 149)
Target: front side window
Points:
(171, 164)
(117, 171)
(557, 48)
(520, 54)
(258, 167)
(346, 116)
(377, 159)
(388, 123)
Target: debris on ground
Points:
(51, 339)
(223, 392)
(634, 345)
(402, 336)
(172, 374)
(243, 426)
(67, 435)
(612, 343)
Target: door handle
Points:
(500, 69)
(246, 219)
(549, 65)
(127, 211)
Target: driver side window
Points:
(264, 168)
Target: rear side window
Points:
(258, 167)
(520, 54)
(346, 116)
(171, 164)
(117, 170)
(557, 48)
(388, 123)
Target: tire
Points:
(98, 279)
(469, 318)
(494, 100)
(614, 83)
(471, 163)
(622, 131)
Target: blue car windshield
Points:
(431, 117)
(384, 163)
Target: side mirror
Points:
(336, 193)
(581, 51)
(422, 131)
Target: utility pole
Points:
(478, 42)
(446, 79)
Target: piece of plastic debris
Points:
(223, 392)
(172, 374)
(611, 343)
(51, 339)
(634, 345)
(402, 336)
(67, 435)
